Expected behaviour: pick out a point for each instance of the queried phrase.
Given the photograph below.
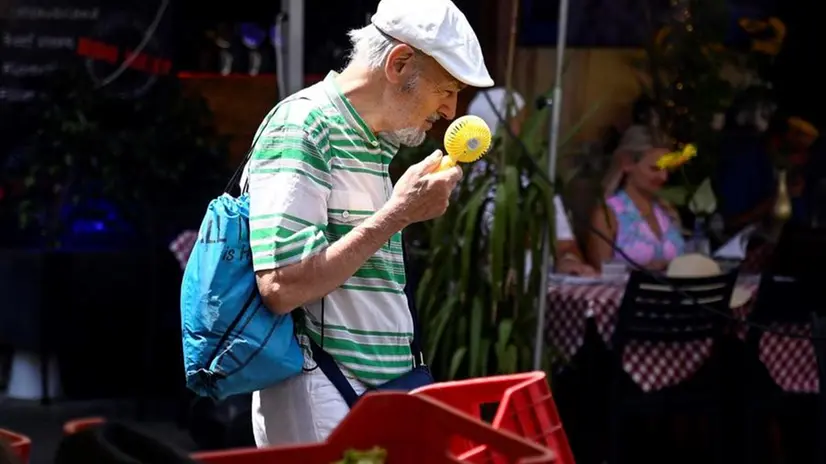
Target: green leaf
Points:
(456, 362)
(425, 291)
(462, 328)
(498, 238)
(704, 201)
(508, 364)
(437, 327)
(474, 208)
(533, 128)
(484, 352)
(511, 186)
(475, 336)
(504, 334)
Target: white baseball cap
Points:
(438, 29)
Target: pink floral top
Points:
(635, 237)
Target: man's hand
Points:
(422, 194)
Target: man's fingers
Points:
(453, 174)
(431, 162)
(459, 173)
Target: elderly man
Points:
(325, 221)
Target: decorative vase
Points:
(782, 210)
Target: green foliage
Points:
(157, 159)
(477, 302)
(685, 60)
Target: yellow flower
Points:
(752, 26)
(767, 36)
(767, 47)
(803, 126)
(779, 28)
(714, 47)
(662, 34)
(676, 159)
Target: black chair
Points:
(780, 300)
(652, 311)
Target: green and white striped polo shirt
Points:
(316, 172)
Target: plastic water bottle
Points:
(699, 240)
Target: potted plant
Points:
(478, 293)
(100, 172)
(140, 169)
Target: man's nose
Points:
(448, 109)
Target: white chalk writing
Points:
(71, 14)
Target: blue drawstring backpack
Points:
(232, 343)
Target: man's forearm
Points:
(290, 287)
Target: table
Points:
(653, 366)
(74, 306)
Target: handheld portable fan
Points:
(467, 139)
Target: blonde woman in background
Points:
(641, 224)
(569, 260)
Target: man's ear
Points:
(399, 63)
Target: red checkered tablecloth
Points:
(790, 361)
(182, 246)
(653, 366)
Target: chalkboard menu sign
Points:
(41, 36)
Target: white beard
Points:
(410, 136)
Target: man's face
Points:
(425, 93)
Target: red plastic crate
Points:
(526, 408)
(413, 430)
(21, 445)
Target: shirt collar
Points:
(344, 107)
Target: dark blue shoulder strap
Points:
(328, 365)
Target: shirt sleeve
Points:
(563, 227)
(289, 185)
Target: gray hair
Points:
(370, 46)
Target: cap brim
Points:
(462, 72)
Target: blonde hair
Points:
(636, 141)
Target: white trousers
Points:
(302, 409)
